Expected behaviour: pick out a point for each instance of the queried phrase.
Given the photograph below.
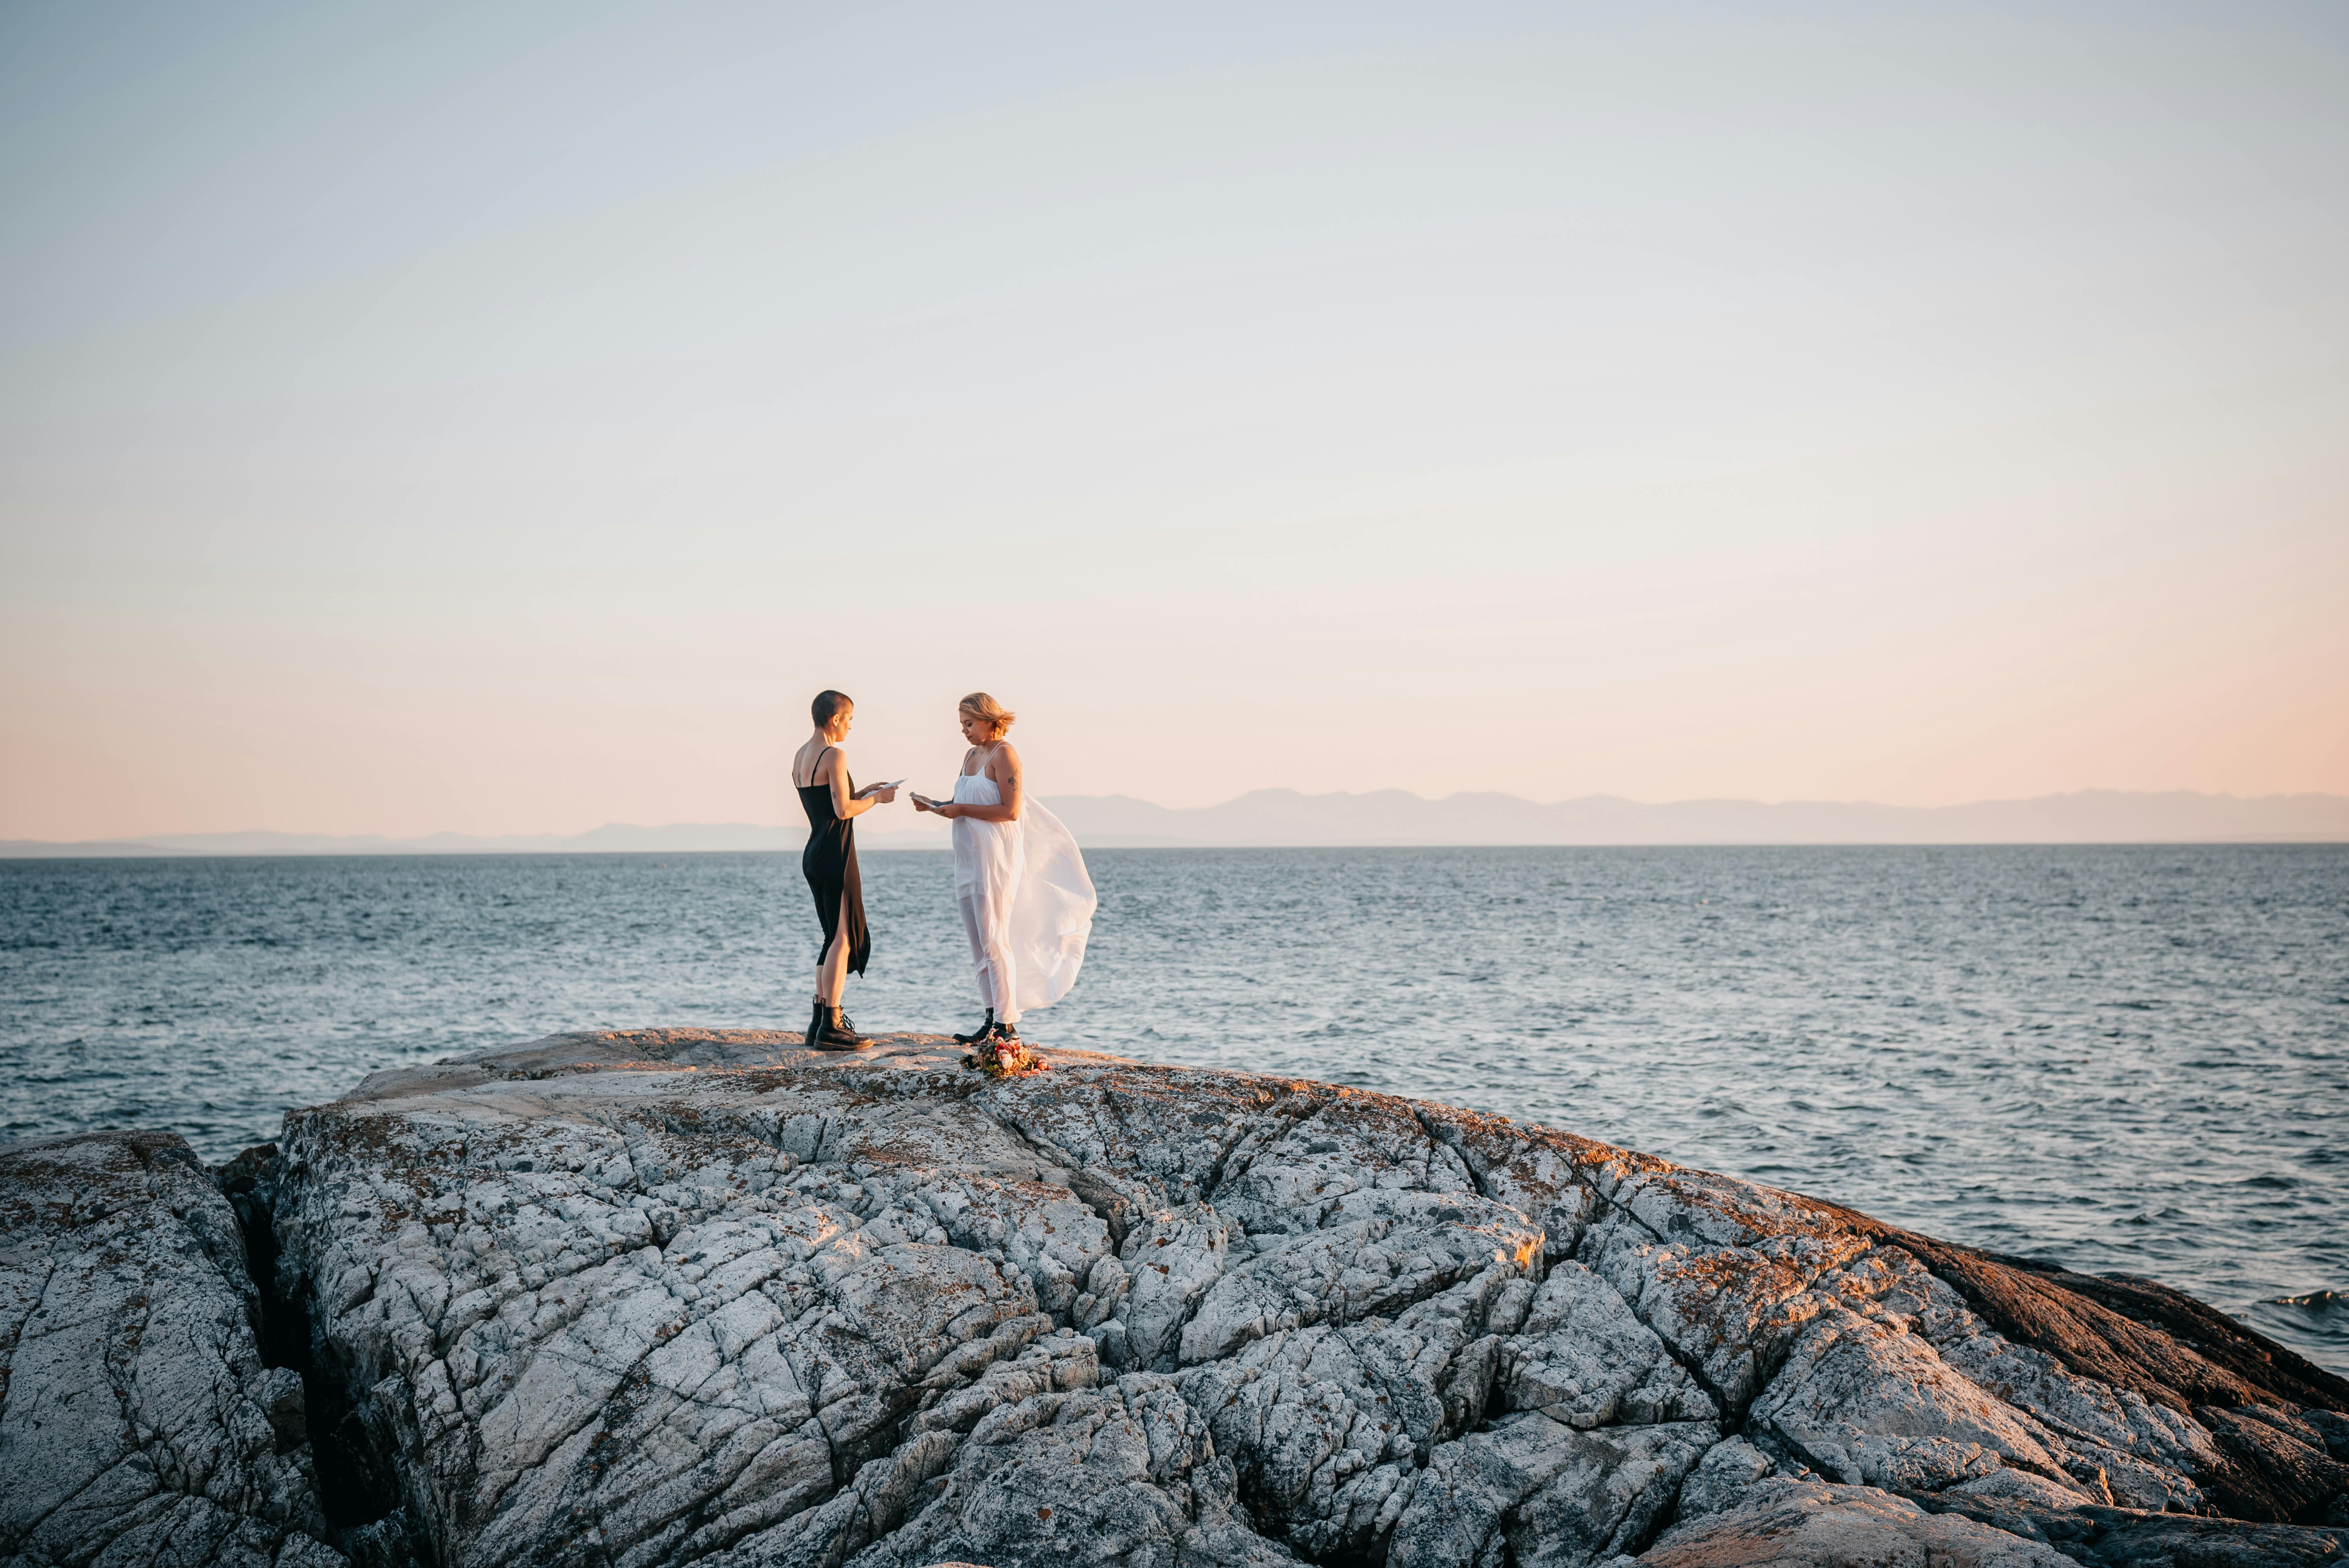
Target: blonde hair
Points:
(978, 705)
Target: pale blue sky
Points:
(502, 418)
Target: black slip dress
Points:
(829, 862)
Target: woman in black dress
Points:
(832, 801)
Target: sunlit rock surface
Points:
(672, 1296)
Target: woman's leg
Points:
(990, 947)
(831, 963)
(1001, 959)
(1007, 980)
(970, 901)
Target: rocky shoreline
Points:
(683, 1296)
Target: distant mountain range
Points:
(1395, 817)
(1271, 817)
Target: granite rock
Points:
(683, 1296)
(1782, 1522)
(1555, 1496)
(2125, 1538)
(137, 1422)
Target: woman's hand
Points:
(885, 793)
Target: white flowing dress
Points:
(1026, 900)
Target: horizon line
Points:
(2177, 816)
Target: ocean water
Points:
(2126, 1058)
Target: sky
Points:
(504, 419)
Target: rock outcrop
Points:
(137, 1421)
(675, 1296)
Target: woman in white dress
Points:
(1027, 904)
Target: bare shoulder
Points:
(1006, 754)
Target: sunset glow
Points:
(503, 421)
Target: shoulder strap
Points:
(817, 765)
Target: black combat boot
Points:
(978, 1033)
(829, 1031)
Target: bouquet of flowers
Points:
(1004, 1057)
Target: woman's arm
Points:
(843, 804)
(1004, 768)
